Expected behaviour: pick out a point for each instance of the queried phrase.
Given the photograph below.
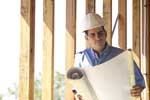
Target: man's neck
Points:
(99, 50)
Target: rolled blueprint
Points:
(111, 80)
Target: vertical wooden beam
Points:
(26, 71)
(122, 23)
(146, 46)
(107, 15)
(147, 49)
(136, 27)
(70, 41)
(48, 51)
(90, 6)
(136, 30)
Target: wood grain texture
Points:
(122, 24)
(136, 26)
(107, 15)
(26, 69)
(90, 6)
(48, 51)
(70, 42)
(147, 49)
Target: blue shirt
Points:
(88, 58)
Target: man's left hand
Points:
(136, 90)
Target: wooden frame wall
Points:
(26, 78)
(48, 51)
(26, 70)
(70, 41)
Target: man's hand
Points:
(76, 95)
(136, 91)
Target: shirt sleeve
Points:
(139, 80)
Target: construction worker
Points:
(100, 51)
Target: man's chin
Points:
(100, 45)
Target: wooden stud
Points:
(26, 71)
(107, 15)
(147, 49)
(90, 6)
(70, 41)
(48, 51)
(122, 24)
(136, 27)
(145, 56)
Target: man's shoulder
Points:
(117, 49)
(82, 52)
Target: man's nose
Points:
(98, 36)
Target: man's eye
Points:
(101, 32)
(92, 34)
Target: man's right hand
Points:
(77, 95)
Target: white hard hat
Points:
(90, 21)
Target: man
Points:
(100, 51)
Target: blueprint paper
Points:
(111, 80)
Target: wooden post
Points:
(48, 51)
(122, 23)
(136, 27)
(146, 46)
(107, 15)
(26, 71)
(70, 41)
(136, 30)
(90, 6)
(147, 49)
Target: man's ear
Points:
(106, 34)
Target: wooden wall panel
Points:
(70, 41)
(48, 51)
(122, 24)
(90, 6)
(26, 70)
(107, 15)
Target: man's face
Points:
(96, 38)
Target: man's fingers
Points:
(136, 91)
